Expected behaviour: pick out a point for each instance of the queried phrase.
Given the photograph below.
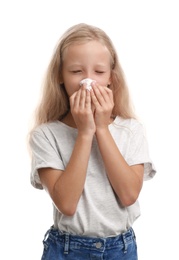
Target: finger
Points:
(82, 98)
(101, 94)
(76, 98)
(109, 93)
(94, 99)
(72, 99)
(88, 99)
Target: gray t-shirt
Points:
(99, 212)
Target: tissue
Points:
(88, 83)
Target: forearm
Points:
(124, 180)
(70, 184)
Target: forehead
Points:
(87, 49)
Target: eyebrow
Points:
(80, 65)
(74, 65)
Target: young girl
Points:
(88, 151)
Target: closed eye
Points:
(76, 71)
(100, 72)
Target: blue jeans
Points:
(59, 246)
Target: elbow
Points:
(67, 206)
(66, 209)
(69, 212)
(128, 200)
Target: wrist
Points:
(102, 130)
(85, 135)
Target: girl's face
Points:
(88, 60)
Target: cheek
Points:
(71, 88)
(109, 79)
(104, 81)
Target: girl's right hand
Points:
(81, 110)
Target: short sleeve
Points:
(139, 152)
(44, 154)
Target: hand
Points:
(80, 103)
(102, 100)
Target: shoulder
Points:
(53, 133)
(49, 127)
(130, 125)
(44, 132)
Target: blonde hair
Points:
(54, 103)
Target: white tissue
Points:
(88, 83)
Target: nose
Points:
(88, 76)
(88, 82)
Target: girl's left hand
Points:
(102, 100)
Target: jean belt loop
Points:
(125, 243)
(133, 234)
(46, 234)
(67, 240)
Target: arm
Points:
(66, 187)
(126, 181)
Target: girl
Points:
(88, 151)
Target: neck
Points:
(68, 120)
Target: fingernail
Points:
(93, 83)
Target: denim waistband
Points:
(93, 243)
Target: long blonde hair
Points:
(54, 103)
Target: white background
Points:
(145, 34)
